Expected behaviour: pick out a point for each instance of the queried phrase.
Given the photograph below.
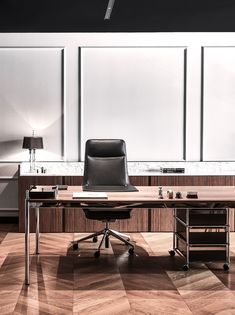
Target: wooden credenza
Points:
(142, 220)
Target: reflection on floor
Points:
(150, 282)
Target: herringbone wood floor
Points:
(150, 282)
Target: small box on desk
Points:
(172, 170)
(43, 193)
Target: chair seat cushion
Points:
(107, 214)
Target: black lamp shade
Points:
(32, 143)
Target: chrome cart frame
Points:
(211, 242)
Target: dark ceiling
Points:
(127, 16)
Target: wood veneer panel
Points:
(155, 219)
(74, 218)
(73, 180)
(221, 180)
(224, 181)
(162, 180)
(137, 222)
(51, 218)
(174, 180)
(161, 219)
(82, 224)
(166, 220)
(192, 180)
(69, 219)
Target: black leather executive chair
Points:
(105, 169)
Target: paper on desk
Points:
(90, 195)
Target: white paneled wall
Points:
(136, 94)
(219, 103)
(31, 98)
(161, 92)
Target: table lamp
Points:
(32, 143)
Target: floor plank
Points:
(74, 282)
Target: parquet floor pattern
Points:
(150, 282)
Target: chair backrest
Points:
(105, 163)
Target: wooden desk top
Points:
(147, 197)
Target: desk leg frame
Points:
(27, 238)
(37, 231)
(27, 234)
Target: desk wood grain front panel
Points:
(139, 221)
(75, 220)
(162, 219)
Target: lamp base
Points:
(32, 167)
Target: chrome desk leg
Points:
(228, 238)
(27, 237)
(174, 228)
(37, 230)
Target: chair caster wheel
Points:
(97, 254)
(172, 252)
(226, 267)
(131, 251)
(128, 239)
(185, 267)
(95, 239)
(75, 246)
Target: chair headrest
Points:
(105, 147)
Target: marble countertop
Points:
(134, 168)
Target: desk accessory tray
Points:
(42, 193)
(192, 195)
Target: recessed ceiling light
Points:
(109, 10)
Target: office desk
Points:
(216, 197)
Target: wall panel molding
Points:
(32, 98)
(218, 106)
(136, 93)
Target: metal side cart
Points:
(201, 235)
